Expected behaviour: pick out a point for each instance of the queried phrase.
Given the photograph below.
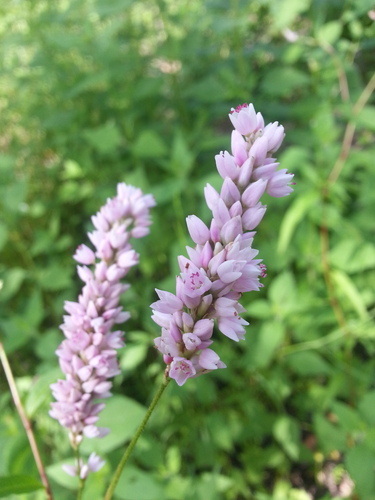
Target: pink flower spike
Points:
(259, 150)
(245, 173)
(239, 148)
(181, 369)
(94, 462)
(198, 230)
(275, 135)
(70, 469)
(226, 166)
(231, 230)
(87, 355)
(229, 192)
(211, 195)
(222, 265)
(84, 255)
(252, 217)
(265, 172)
(209, 360)
(243, 119)
(128, 259)
(253, 193)
(278, 185)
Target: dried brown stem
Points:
(25, 421)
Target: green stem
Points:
(129, 449)
(81, 481)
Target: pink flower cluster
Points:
(222, 264)
(87, 356)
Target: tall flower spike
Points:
(87, 356)
(222, 265)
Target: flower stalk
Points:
(133, 442)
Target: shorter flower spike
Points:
(223, 264)
(88, 354)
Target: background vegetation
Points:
(94, 92)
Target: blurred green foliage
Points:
(94, 92)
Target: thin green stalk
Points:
(81, 481)
(129, 449)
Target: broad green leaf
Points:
(3, 235)
(285, 11)
(360, 462)
(295, 214)
(122, 416)
(14, 195)
(366, 118)
(259, 309)
(40, 391)
(11, 283)
(72, 170)
(54, 277)
(348, 418)
(282, 294)
(346, 287)
(263, 344)
(104, 139)
(135, 484)
(18, 484)
(182, 158)
(133, 355)
(149, 145)
(308, 363)
(57, 473)
(329, 32)
(286, 432)
(330, 436)
(288, 79)
(366, 407)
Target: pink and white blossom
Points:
(88, 355)
(222, 265)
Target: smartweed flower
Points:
(87, 356)
(222, 265)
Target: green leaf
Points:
(329, 32)
(72, 170)
(288, 79)
(346, 287)
(18, 484)
(259, 309)
(308, 363)
(40, 391)
(57, 473)
(104, 139)
(132, 356)
(366, 118)
(330, 436)
(360, 462)
(3, 235)
(264, 343)
(366, 407)
(11, 283)
(285, 11)
(182, 158)
(286, 432)
(149, 145)
(14, 195)
(295, 214)
(348, 418)
(122, 416)
(282, 293)
(54, 277)
(135, 484)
